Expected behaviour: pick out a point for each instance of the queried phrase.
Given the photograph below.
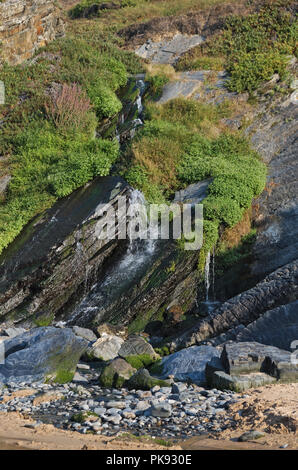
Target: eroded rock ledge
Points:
(279, 288)
(26, 26)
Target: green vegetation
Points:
(82, 416)
(250, 48)
(140, 361)
(163, 351)
(53, 108)
(44, 321)
(182, 143)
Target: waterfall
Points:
(207, 276)
(119, 278)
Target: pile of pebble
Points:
(177, 411)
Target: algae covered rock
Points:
(116, 373)
(42, 354)
(142, 380)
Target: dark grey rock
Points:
(41, 354)
(189, 364)
(248, 357)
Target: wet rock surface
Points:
(280, 287)
(58, 255)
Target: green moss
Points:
(63, 376)
(140, 361)
(163, 351)
(43, 321)
(82, 416)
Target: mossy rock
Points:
(116, 374)
(140, 361)
(142, 380)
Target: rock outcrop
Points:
(58, 255)
(277, 327)
(250, 364)
(26, 26)
(42, 354)
(278, 288)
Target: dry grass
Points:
(231, 237)
(146, 10)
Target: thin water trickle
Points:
(207, 276)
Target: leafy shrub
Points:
(105, 101)
(249, 70)
(157, 82)
(223, 209)
(49, 165)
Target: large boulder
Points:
(248, 357)
(116, 373)
(45, 354)
(136, 345)
(105, 348)
(189, 364)
(249, 364)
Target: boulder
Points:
(116, 373)
(116, 330)
(142, 380)
(250, 364)
(240, 383)
(248, 357)
(84, 333)
(42, 354)
(136, 345)
(189, 364)
(105, 348)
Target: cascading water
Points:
(207, 276)
(121, 276)
(208, 305)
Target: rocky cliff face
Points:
(27, 25)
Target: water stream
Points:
(136, 259)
